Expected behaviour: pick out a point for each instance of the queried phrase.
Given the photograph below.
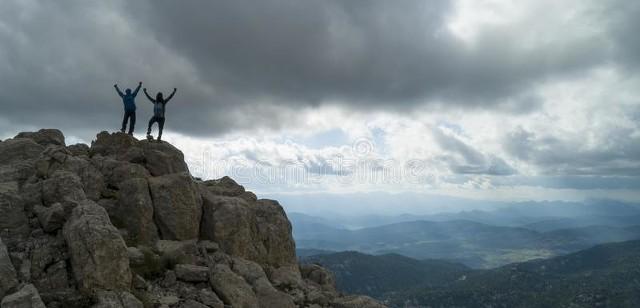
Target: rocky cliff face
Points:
(122, 223)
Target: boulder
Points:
(229, 222)
(51, 218)
(112, 299)
(231, 288)
(356, 301)
(115, 144)
(44, 137)
(78, 149)
(134, 212)
(47, 261)
(54, 277)
(257, 231)
(185, 252)
(17, 172)
(19, 150)
(192, 304)
(249, 270)
(274, 234)
(269, 297)
(115, 171)
(8, 276)
(209, 298)
(14, 224)
(319, 276)
(224, 186)
(27, 297)
(287, 277)
(192, 273)
(62, 186)
(162, 158)
(177, 206)
(98, 253)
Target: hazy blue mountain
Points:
(375, 275)
(474, 244)
(304, 253)
(539, 216)
(603, 276)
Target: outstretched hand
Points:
(139, 82)
(115, 85)
(174, 89)
(144, 89)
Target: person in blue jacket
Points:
(129, 101)
(158, 111)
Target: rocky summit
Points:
(122, 223)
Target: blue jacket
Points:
(129, 100)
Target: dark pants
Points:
(160, 121)
(131, 116)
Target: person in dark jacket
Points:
(129, 101)
(159, 104)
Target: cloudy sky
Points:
(485, 99)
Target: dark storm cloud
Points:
(390, 54)
(617, 153)
(246, 64)
(461, 158)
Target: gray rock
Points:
(51, 218)
(14, 224)
(31, 193)
(169, 300)
(136, 257)
(111, 299)
(192, 304)
(185, 252)
(78, 149)
(286, 277)
(116, 172)
(169, 279)
(231, 288)
(27, 297)
(268, 296)
(319, 276)
(8, 277)
(44, 137)
(18, 150)
(229, 222)
(162, 158)
(134, 212)
(209, 246)
(62, 186)
(115, 144)
(177, 206)
(257, 231)
(224, 186)
(249, 270)
(139, 283)
(356, 301)
(274, 234)
(53, 278)
(209, 298)
(192, 273)
(98, 253)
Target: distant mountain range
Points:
(602, 276)
(477, 239)
(377, 275)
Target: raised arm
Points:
(137, 89)
(147, 94)
(118, 90)
(170, 96)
